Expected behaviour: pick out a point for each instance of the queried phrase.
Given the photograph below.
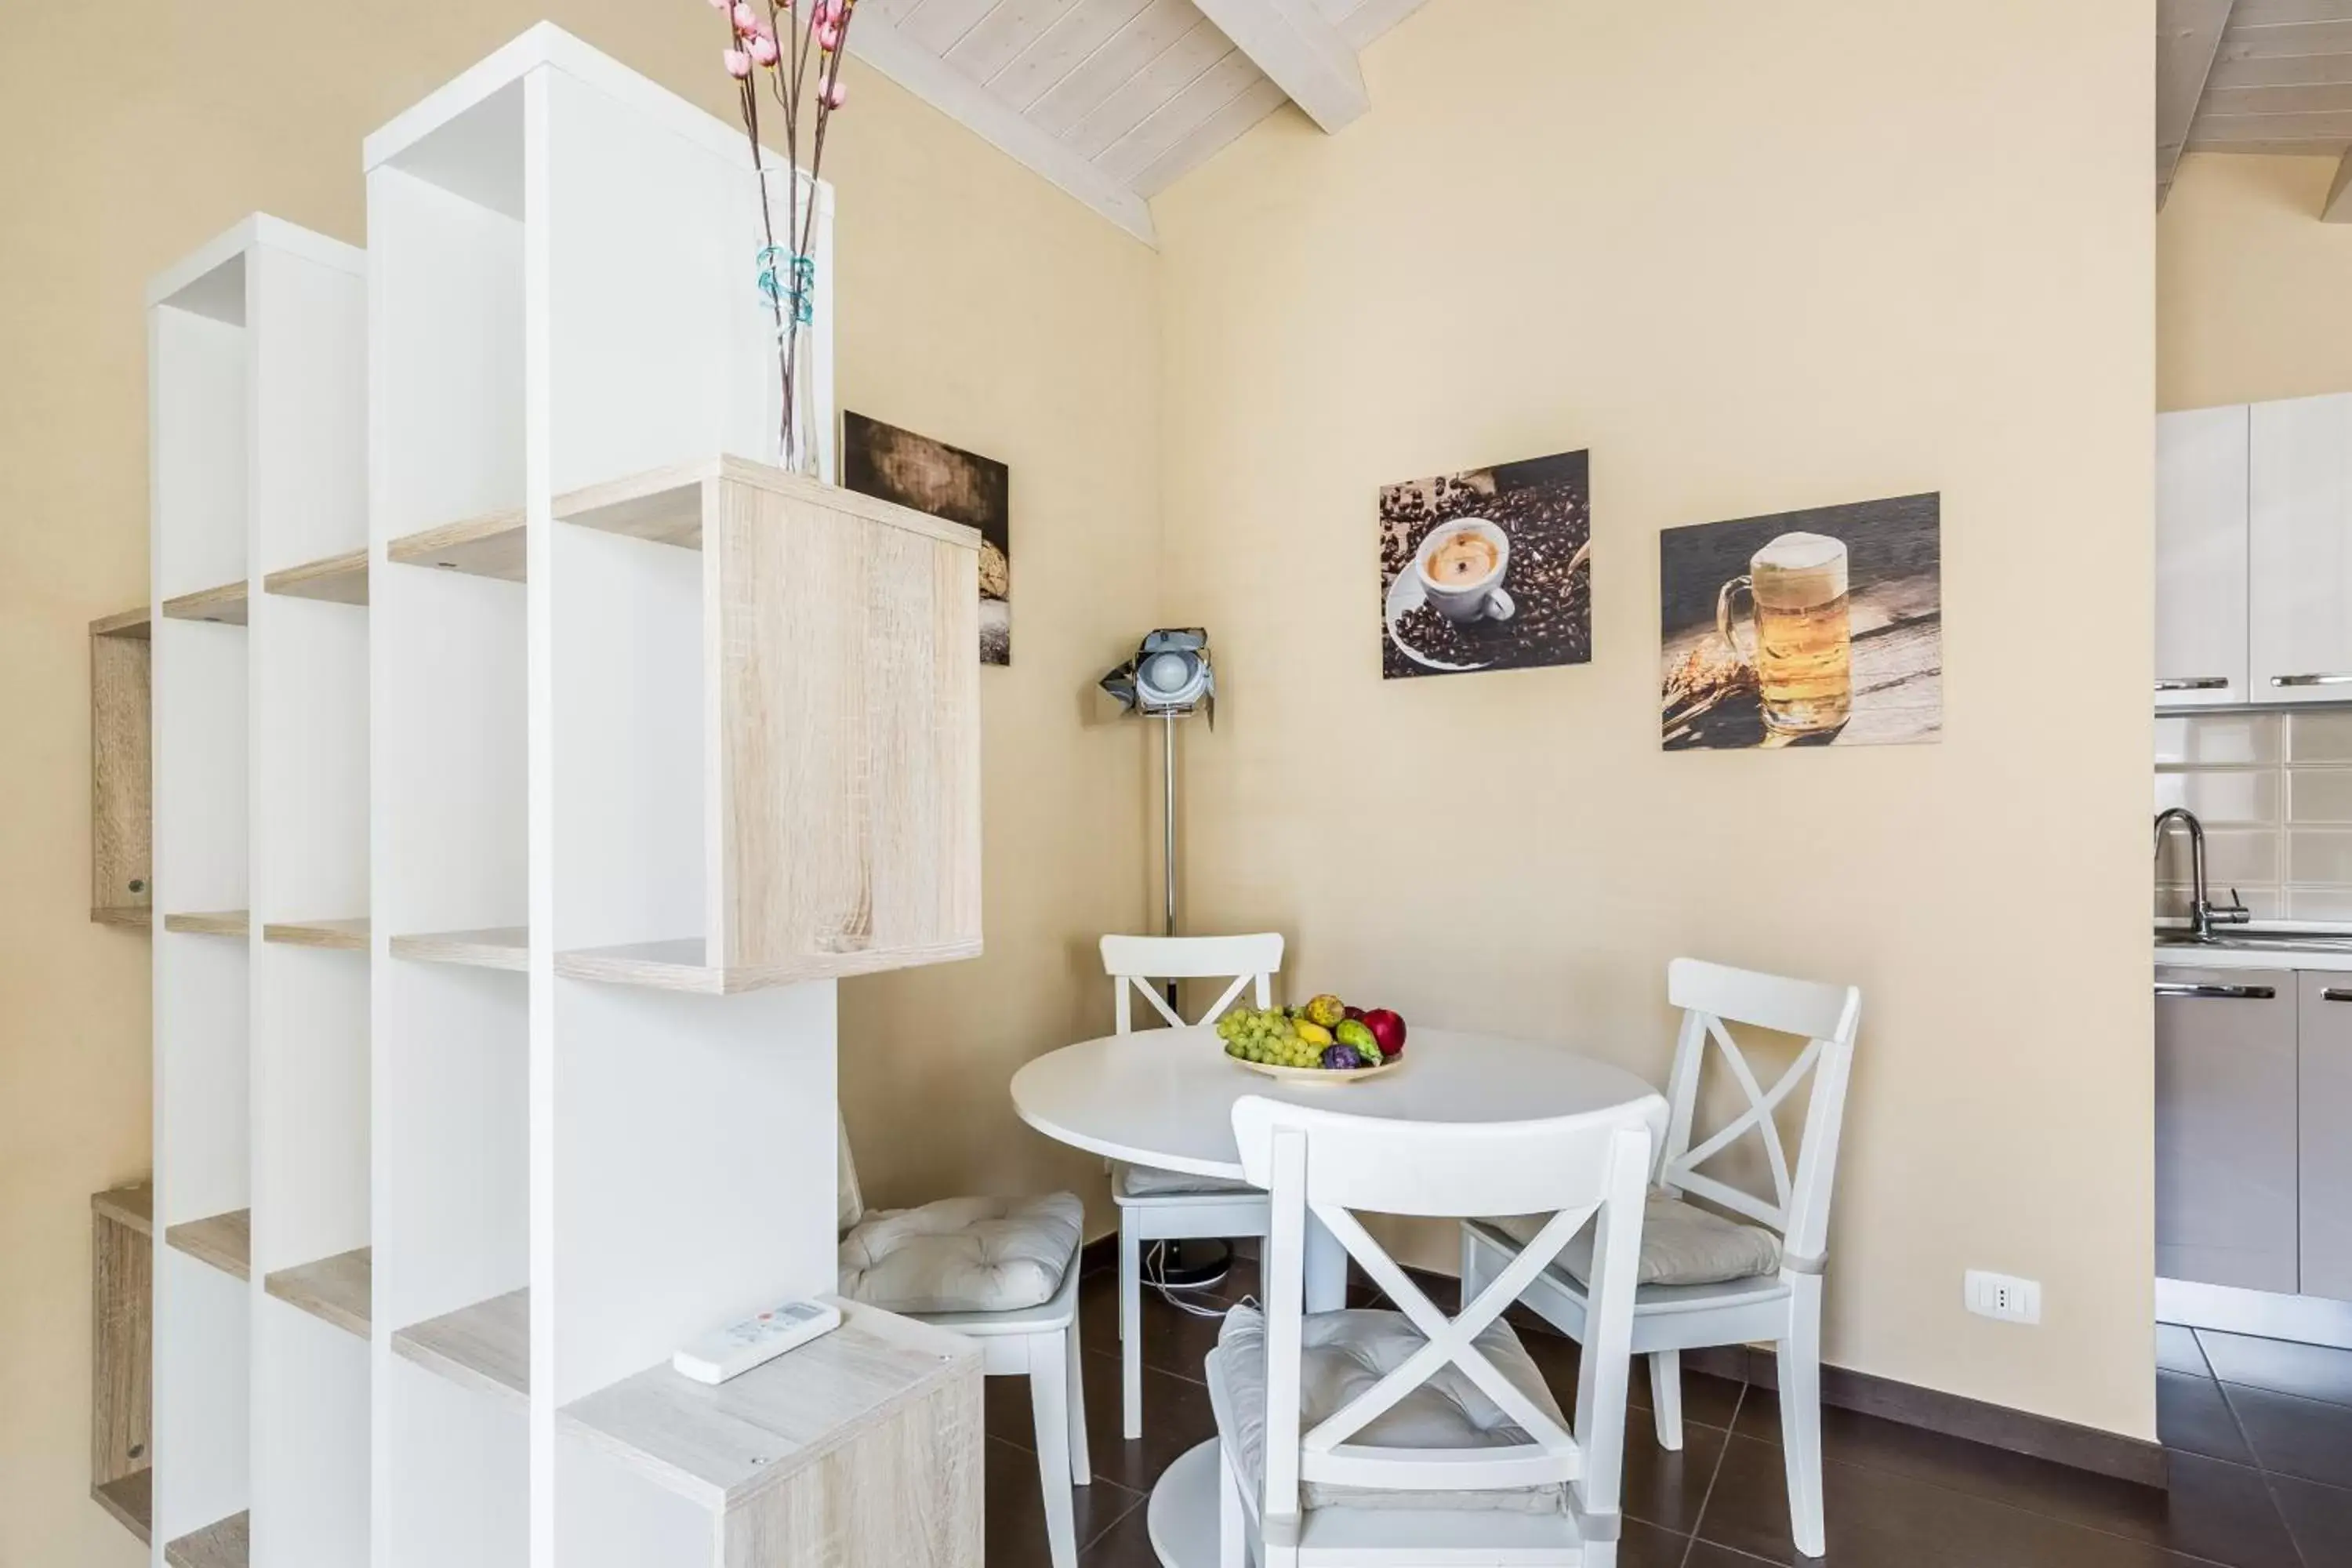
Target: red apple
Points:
(1387, 1028)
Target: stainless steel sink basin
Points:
(2255, 940)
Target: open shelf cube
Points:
(222, 1240)
(123, 1354)
(829, 652)
(486, 1346)
(338, 578)
(339, 1289)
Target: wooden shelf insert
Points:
(131, 1499)
(224, 1543)
(339, 579)
(486, 1346)
(224, 604)
(490, 545)
(494, 947)
(131, 917)
(211, 922)
(339, 1289)
(132, 1206)
(718, 1446)
(347, 936)
(667, 505)
(225, 1241)
(682, 966)
(131, 623)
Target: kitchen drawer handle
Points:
(2311, 681)
(2193, 683)
(2336, 993)
(2222, 992)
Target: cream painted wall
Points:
(2253, 294)
(978, 305)
(1754, 258)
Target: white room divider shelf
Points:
(224, 605)
(338, 1289)
(339, 579)
(222, 1240)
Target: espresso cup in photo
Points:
(1803, 640)
(1461, 564)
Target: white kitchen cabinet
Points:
(2299, 539)
(2201, 558)
(2323, 1035)
(2226, 1114)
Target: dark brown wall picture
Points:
(1491, 569)
(879, 460)
(1809, 628)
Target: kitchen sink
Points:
(2256, 940)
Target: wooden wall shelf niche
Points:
(224, 1240)
(340, 579)
(122, 776)
(123, 1354)
(835, 627)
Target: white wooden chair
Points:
(948, 1263)
(1707, 1280)
(1164, 1206)
(1406, 1436)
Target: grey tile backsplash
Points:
(2274, 791)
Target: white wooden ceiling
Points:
(2256, 76)
(1114, 100)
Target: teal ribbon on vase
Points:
(797, 296)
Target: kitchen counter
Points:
(2279, 952)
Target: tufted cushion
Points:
(962, 1255)
(1681, 1244)
(1143, 1182)
(1344, 1353)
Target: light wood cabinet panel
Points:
(121, 816)
(2299, 532)
(2226, 1122)
(2200, 557)
(2324, 1048)
(122, 1354)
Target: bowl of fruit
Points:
(1325, 1041)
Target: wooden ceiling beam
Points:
(1305, 55)
(2188, 36)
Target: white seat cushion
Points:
(963, 1255)
(1342, 1354)
(1143, 1182)
(1681, 1244)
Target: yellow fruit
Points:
(1313, 1033)
(1327, 1010)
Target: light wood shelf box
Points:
(344, 935)
(339, 579)
(486, 1346)
(121, 777)
(224, 1240)
(861, 1447)
(836, 626)
(211, 922)
(224, 1543)
(494, 947)
(490, 545)
(123, 1354)
(224, 604)
(339, 1289)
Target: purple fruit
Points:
(1342, 1058)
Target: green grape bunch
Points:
(1266, 1036)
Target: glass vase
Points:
(785, 279)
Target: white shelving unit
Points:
(530, 761)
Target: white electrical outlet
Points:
(2004, 1295)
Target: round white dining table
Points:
(1164, 1098)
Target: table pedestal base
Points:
(1182, 1512)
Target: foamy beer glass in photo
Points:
(1803, 652)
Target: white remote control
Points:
(738, 1348)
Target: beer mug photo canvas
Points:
(1821, 627)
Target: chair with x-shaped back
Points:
(1707, 1279)
(1167, 1206)
(1377, 1437)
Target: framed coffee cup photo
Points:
(1806, 629)
(1488, 569)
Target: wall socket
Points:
(2003, 1296)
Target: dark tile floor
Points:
(2260, 1436)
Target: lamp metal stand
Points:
(1189, 1265)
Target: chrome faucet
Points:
(2203, 913)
